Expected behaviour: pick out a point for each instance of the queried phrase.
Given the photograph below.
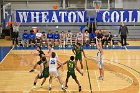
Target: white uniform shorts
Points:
(54, 73)
(100, 64)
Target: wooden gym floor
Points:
(122, 73)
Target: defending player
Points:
(53, 65)
(39, 53)
(44, 71)
(99, 58)
(71, 64)
(78, 54)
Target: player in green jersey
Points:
(44, 71)
(39, 53)
(78, 54)
(71, 64)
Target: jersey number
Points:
(52, 61)
(70, 65)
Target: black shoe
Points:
(50, 88)
(32, 70)
(80, 88)
(64, 89)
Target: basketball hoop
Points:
(9, 23)
(97, 7)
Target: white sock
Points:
(62, 86)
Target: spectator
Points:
(109, 38)
(63, 38)
(56, 37)
(49, 37)
(38, 37)
(86, 37)
(32, 37)
(123, 32)
(103, 36)
(79, 38)
(69, 38)
(25, 39)
(44, 39)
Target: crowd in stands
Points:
(64, 39)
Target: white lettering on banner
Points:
(105, 15)
(23, 16)
(81, 16)
(131, 16)
(122, 17)
(138, 16)
(72, 17)
(35, 15)
(54, 17)
(114, 15)
(44, 17)
(62, 14)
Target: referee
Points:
(123, 32)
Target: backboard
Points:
(95, 4)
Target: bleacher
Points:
(133, 28)
(74, 27)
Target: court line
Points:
(119, 63)
(97, 81)
(125, 69)
(6, 55)
(128, 71)
(88, 77)
(126, 48)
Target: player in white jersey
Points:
(79, 38)
(86, 37)
(50, 50)
(100, 58)
(53, 71)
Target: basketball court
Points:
(121, 72)
(121, 64)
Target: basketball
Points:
(55, 6)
